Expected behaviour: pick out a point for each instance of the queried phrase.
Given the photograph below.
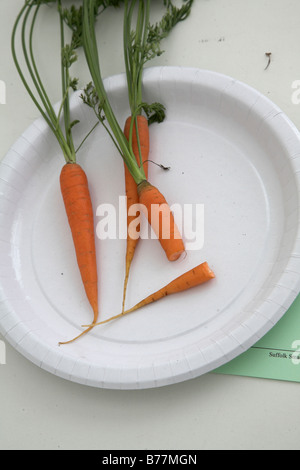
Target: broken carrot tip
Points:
(175, 256)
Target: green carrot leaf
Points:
(155, 112)
(143, 40)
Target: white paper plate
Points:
(230, 149)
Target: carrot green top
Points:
(142, 43)
(29, 72)
(140, 46)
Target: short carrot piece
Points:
(78, 205)
(195, 277)
(161, 219)
(140, 142)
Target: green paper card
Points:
(276, 355)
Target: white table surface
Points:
(41, 411)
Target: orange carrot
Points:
(161, 219)
(74, 184)
(140, 146)
(195, 277)
(142, 142)
(138, 51)
(78, 205)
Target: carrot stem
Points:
(42, 101)
(92, 58)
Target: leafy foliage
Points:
(159, 31)
(155, 112)
(90, 97)
(142, 43)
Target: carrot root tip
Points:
(88, 328)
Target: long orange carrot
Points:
(78, 205)
(139, 138)
(195, 277)
(74, 184)
(161, 219)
